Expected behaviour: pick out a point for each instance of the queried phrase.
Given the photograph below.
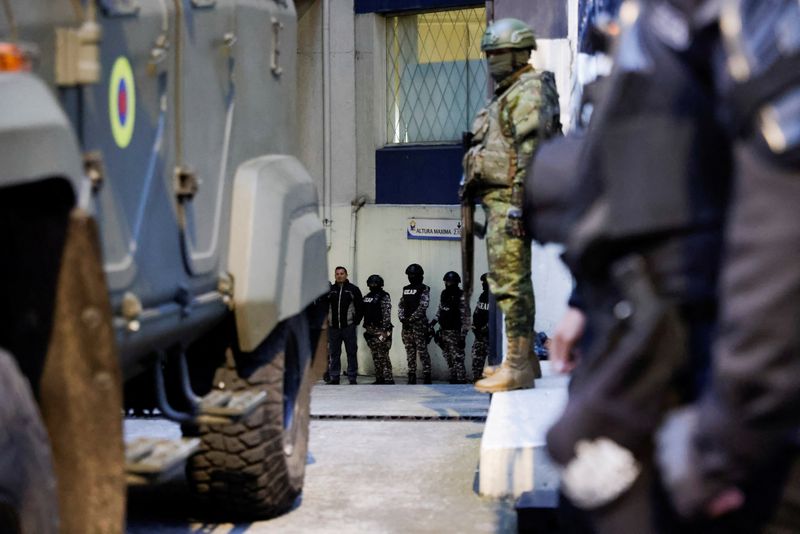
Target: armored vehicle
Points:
(160, 252)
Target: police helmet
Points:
(485, 278)
(508, 34)
(451, 277)
(374, 280)
(415, 269)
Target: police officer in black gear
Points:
(412, 312)
(378, 328)
(453, 317)
(480, 328)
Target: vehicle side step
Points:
(225, 406)
(148, 460)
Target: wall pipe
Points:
(327, 166)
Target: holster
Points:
(625, 385)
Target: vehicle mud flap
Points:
(319, 363)
(81, 390)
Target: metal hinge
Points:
(78, 54)
(93, 169)
(186, 183)
(225, 287)
(274, 65)
(131, 311)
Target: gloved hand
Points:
(514, 224)
(691, 495)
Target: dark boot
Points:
(334, 381)
(427, 378)
(412, 378)
(389, 382)
(378, 380)
(327, 377)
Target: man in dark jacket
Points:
(346, 308)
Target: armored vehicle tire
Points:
(28, 496)
(254, 468)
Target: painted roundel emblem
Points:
(122, 102)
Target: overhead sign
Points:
(440, 229)
(122, 102)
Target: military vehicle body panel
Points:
(200, 102)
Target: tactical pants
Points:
(509, 266)
(480, 350)
(380, 353)
(415, 340)
(452, 348)
(335, 338)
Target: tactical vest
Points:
(373, 314)
(481, 316)
(450, 309)
(658, 175)
(492, 159)
(412, 294)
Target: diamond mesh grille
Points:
(435, 77)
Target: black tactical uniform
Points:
(412, 312)
(378, 328)
(452, 317)
(480, 327)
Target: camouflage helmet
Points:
(508, 33)
(451, 277)
(374, 280)
(414, 269)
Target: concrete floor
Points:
(363, 475)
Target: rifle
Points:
(467, 228)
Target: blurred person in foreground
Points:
(688, 181)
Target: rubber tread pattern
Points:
(242, 471)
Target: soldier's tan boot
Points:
(489, 370)
(516, 371)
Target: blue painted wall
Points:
(398, 6)
(418, 174)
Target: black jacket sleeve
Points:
(358, 303)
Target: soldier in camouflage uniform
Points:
(453, 316)
(480, 327)
(503, 138)
(378, 328)
(412, 312)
